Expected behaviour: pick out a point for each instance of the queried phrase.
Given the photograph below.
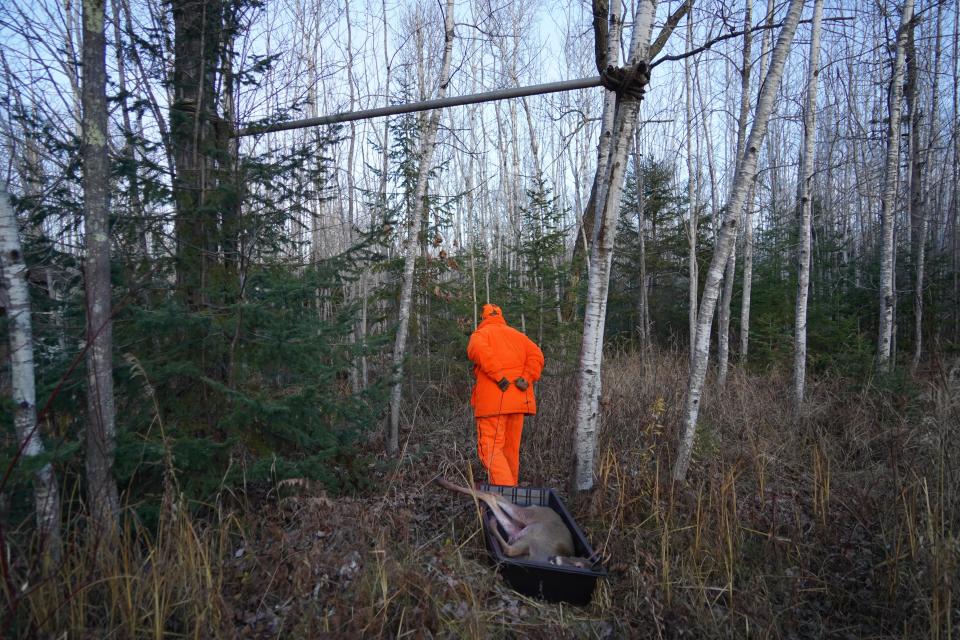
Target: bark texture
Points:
(693, 190)
(804, 210)
(748, 212)
(102, 499)
(723, 338)
(46, 492)
(889, 196)
(609, 193)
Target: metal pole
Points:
(426, 105)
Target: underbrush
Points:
(839, 521)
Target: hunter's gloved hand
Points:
(503, 383)
(521, 384)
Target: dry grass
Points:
(840, 522)
(131, 584)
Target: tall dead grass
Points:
(132, 583)
(840, 521)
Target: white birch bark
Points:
(102, 499)
(805, 206)
(414, 229)
(643, 303)
(746, 169)
(692, 193)
(888, 199)
(747, 275)
(46, 492)
(707, 133)
(723, 321)
(748, 212)
(609, 192)
(588, 220)
(730, 273)
(924, 201)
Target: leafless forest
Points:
(233, 343)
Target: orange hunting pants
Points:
(498, 445)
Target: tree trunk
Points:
(723, 330)
(46, 492)
(414, 230)
(643, 302)
(804, 209)
(197, 32)
(919, 197)
(888, 199)
(746, 169)
(748, 212)
(102, 497)
(609, 192)
(692, 194)
(607, 53)
(358, 371)
(723, 321)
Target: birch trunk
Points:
(748, 212)
(588, 224)
(643, 303)
(723, 337)
(102, 498)
(888, 199)
(805, 206)
(692, 193)
(414, 229)
(914, 177)
(747, 275)
(358, 372)
(723, 321)
(609, 192)
(46, 492)
(923, 200)
(746, 169)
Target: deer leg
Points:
(520, 548)
(516, 512)
(499, 509)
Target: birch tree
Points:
(46, 493)
(414, 230)
(920, 163)
(748, 212)
(609, 191)
(804, 209)
(102, 497)
(692, 194)
(723, 330)
(746, 169)
(610, 172)
(889, 195)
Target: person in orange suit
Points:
(506, 363)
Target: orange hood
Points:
(491, 314)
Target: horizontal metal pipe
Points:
(426, 105)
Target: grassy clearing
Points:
(842, 522)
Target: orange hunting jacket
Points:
(497, 351)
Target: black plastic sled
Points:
(539, 579)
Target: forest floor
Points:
(840, 523)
